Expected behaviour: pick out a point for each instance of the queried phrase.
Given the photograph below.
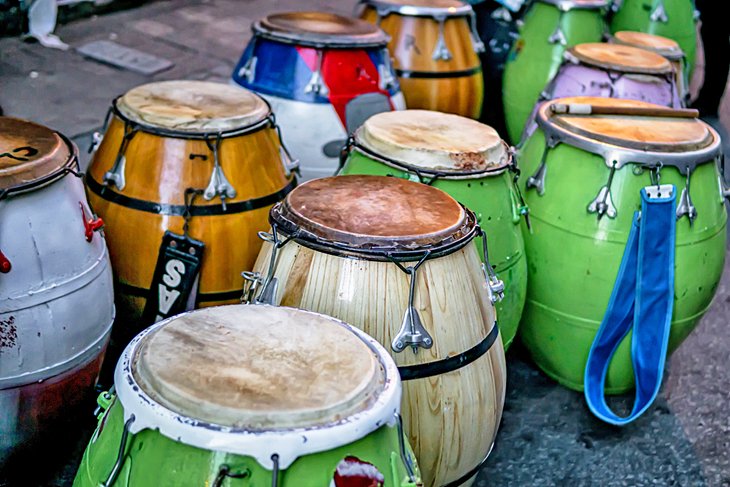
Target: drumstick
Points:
(585, 109)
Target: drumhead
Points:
(192, 106)
(657, 134)
(258, 367)
(618, 57)
(433, 141)
(661, 45)
(426, 8)
(320, 29)
(376, 214)
(30, 153)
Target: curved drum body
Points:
(436, 50)
(209, 151)
(663, 46)
(255, 395)
(323, 75)
(549, 28)
(574, 255)
(432, 308)
(674, 19)
(56, 296)
(470, 162)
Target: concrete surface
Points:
(547, 436)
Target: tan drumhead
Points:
(351, 209)
(424, 3)
(192, 106)
(660, 134)
(433, 141)
(618, 57)
(661, 45)
(28, 152)
(258, 367)
(323, 28)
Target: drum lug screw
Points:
(685, 206)
(412, 332)
(441, 51)
(5, 265)
(659, 14)
(91, 225)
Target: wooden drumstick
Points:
(586, 109)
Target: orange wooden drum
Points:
(436, 52)
(184, 178)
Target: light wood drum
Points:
(436, 50)
(395, 258)
(184, 178)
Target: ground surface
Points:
(547, 436)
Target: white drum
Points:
(56, 296)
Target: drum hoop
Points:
(467, 231)
(200, 135)
(567, 5)
(416, 11)
(434, 173)
(330, 43)
(70, 166)
(616, 156)
(147, 413)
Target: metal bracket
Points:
(495, 286)
(316, 83)
(603, 203)
(475, 39)
(120, 454)
(537, 180)
(386, 79)
(405, 457)
(659, 14)
(270, 284)
(558, 37)
(115, 175)
(685, 206)
(218, 184)
(248, 70)
(412, 332)
(441, 51)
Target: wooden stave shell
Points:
(302, 274)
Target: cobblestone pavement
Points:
(547, 436)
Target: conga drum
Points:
(395, 258)
(436, 50)
(56, 289)
(674, 19)
(184, 178)
(323, 75)
(548, 29)
(592, 170)
(469, 161)
(660, 45)
(251, 395)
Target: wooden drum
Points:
(436, 52)
(184, 178)
(394, 258)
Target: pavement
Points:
(547, 436)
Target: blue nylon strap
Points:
(642, 300)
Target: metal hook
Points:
(412, 332)
(405, 457)
(441, 51)
(475, 39)
(685, 206)
(275, 470)
(316, 84)
(603, 203)
(218, 184)
(537, 180)
(120, 455)
(495, 286)
(386, 79)
(116, 175)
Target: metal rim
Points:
(384, 8)
(566, 5)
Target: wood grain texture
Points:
(412, 44)
(159, 170)
(451, 419)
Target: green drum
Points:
(466, 159)
(251, 396)
(674, 19)
(549, 28)
(586, 173)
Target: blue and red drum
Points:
(323, 74)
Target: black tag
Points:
(175, 281)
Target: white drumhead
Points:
(192, 106)
(433, 141)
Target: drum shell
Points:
(158, 171)
(314, 126)
(440, 411)
(56, 310)
(574, 258)
(632, 15)
(492, 198)
(150, 453)
(534, 60)
(453, 86)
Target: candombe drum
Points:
(549, 28)
(469, 161)
(395, 258)
(436, 50)
(588, 175)
(323, 75)
(184, 178)
(660, 45)
(56, 295)
(674, 19)
(251, 395)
